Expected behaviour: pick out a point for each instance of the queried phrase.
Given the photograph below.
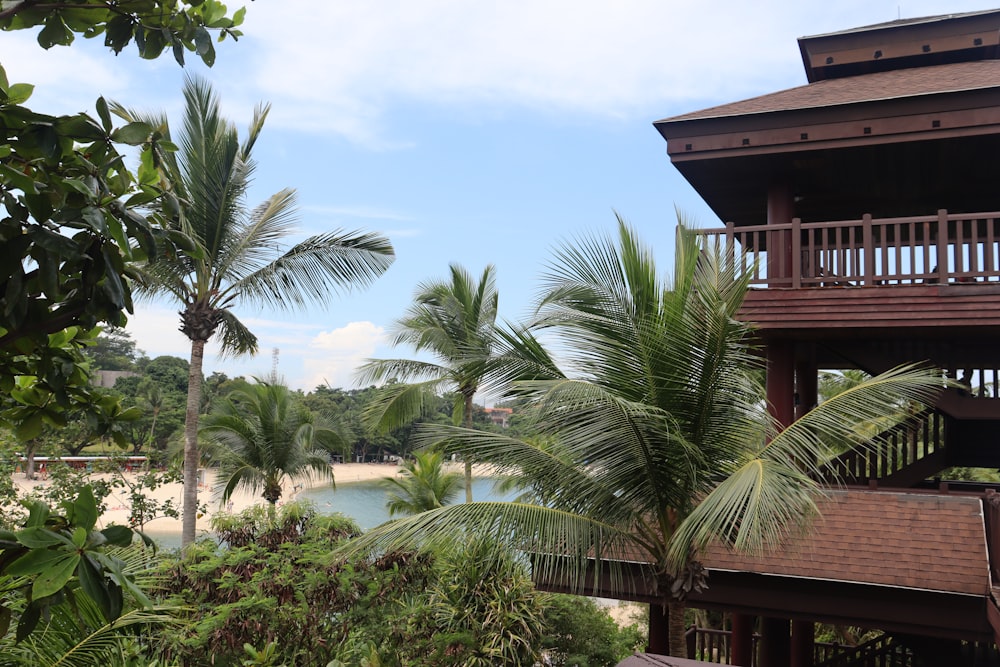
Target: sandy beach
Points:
(118, 509)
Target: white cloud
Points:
(341, 69)
(333, 356)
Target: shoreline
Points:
(117, 511)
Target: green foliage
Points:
(153, 25)
(266, 436)
(232, 254)
(579, 632)
(279, 578)
(71, 222)
(651, 432)
(113, 350)
(54, 558)
(425, 485)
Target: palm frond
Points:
(564, 547)
(396, 405)
(311, 269)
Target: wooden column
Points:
(659, 630)
(780, 211)
(775, 642)
(781, 380)
(803, 638)
(742, 640)
(806, 379)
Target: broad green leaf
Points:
(30, 428)
(35, 561)
(95, 585)
(133, 134)
(39, 537)
(28, 621)
(85, 508)
(18, 179)
(104, 114)
(81, 128)
(53, 578)
(19, 93)
(118, 535)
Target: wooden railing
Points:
(868, 252)
(915, 438)
(711, 645)
(878, 652)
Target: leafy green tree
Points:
(267, 437)
(425, 485)
(56, 558)
(580, 632)
(71, 220)
(233, 257)
(455, 321)
(113, 350)
(654, 435)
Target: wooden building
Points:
(869, 202)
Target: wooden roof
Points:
(910, 540)
(879, 86)
(911, 42)
(903, 134)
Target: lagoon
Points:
(365, 501)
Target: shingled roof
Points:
(889, 539)
(894, 84)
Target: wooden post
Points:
(659, 630)
(775, 642)
(942, 246)
(741, 640)
(780, 209)
(803, 639)
(781, 381)
(868, 242)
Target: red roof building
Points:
(868, 203)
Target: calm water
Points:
(362, 501)
(365, 501)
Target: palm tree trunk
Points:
(666, 629)
(675, 620)
(189, 514)
(468, 461)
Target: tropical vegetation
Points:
(655, 438)
(425, 485)
(233, 254)
(265, 437)
(455, 321)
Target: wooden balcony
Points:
(922, 273)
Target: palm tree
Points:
(425, 485)
(455, 321)
(654, 435)
(266, 437)
(228, 255)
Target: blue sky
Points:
(467, 132)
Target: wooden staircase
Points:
(900, 457)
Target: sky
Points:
(468, 132)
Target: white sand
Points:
(118, 509)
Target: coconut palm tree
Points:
(425, 485)
(265, 437)
(228, 255)
(654, 434)
(453, 320)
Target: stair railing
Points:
(913, 439)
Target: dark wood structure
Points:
(867, 203)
